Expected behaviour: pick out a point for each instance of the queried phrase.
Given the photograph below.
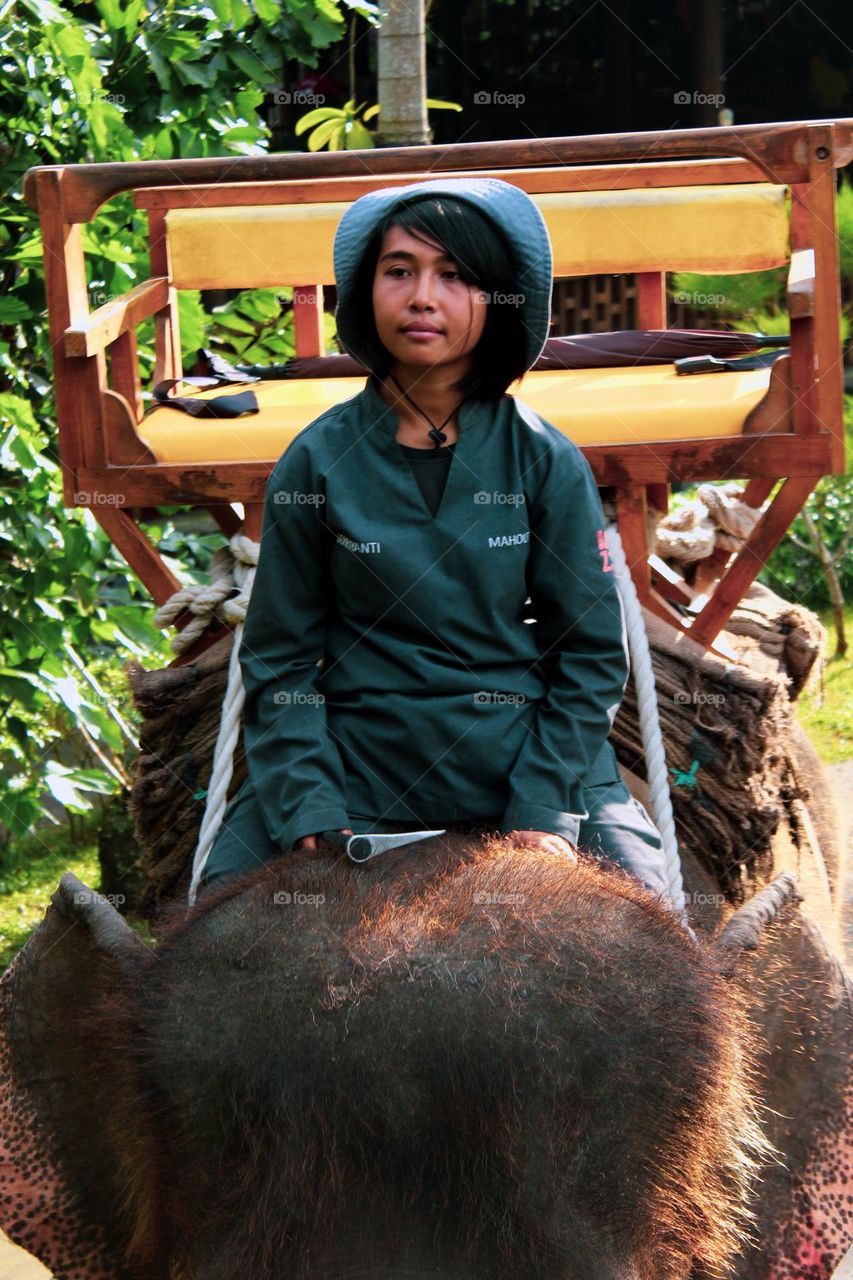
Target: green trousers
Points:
(618, 829)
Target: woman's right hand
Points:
(311, 842)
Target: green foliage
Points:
(777, 322)
(28, 880)
(743, 295)
(106, 81)
(791, 570)
(26, 886)
(826, 711)
(844, 226)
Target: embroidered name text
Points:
(509, 539)
(361, 547)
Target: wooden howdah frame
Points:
(797, 438)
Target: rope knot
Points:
(225, 598)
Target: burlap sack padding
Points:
(726, 731)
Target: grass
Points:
(826, 713)
(25, 889)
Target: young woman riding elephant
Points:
(435, 637)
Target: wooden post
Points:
(167, 340)
(813, 226)
(308, 320)
(651, 299)
(78, 382)
(751, 558)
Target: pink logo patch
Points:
(606, 562)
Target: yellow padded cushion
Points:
(713, 229)
(590, 406)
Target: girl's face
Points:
(425, 313)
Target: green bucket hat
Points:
(508, 207)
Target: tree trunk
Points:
(833, 582)
(402, 76)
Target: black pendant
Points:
(439, 436)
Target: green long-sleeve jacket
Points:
(389, 668)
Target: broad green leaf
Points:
(323, 133)
(110, 11)
(163, 147)
(222, 9)
(197, 73)
(101, 725)
(66, 793)
(135, 10)
(193, 320)
(249, 64)
(269, 11)
(13, 309)
(435, 103)
(316, 117)
(134, 624)
(241, 14)
(358, 137)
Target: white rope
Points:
(210, 601)
(647, 705)
(716, 517)
(232, 569)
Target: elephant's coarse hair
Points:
(485, 1056)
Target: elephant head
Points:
(476, 1062)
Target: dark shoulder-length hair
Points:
(483, 258)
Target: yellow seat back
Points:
(712, 229)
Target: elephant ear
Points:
(800, 1001)
(63, 1016)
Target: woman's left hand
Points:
(547, 841)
